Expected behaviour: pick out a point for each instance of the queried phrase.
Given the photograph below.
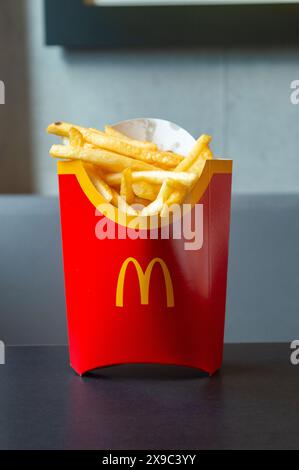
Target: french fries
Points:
(126, 190)
(156, 177)
(108, 161)
(128, 172)
(143, 144)
(142, 189)
(100, 184)
(194, 162)
(75, 138)
(126, 147)
(145, 190)
(119, 202)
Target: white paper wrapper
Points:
(166, 134)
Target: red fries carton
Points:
(145, 294)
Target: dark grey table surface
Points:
(252, 403)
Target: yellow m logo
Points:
(144, 281)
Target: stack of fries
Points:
(129, 173)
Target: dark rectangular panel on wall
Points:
(73, 24)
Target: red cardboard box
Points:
(145, 300)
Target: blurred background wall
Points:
(241, 97)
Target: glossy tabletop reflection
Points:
(252, 403)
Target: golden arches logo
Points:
(144, 281)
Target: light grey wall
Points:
(241, 97)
